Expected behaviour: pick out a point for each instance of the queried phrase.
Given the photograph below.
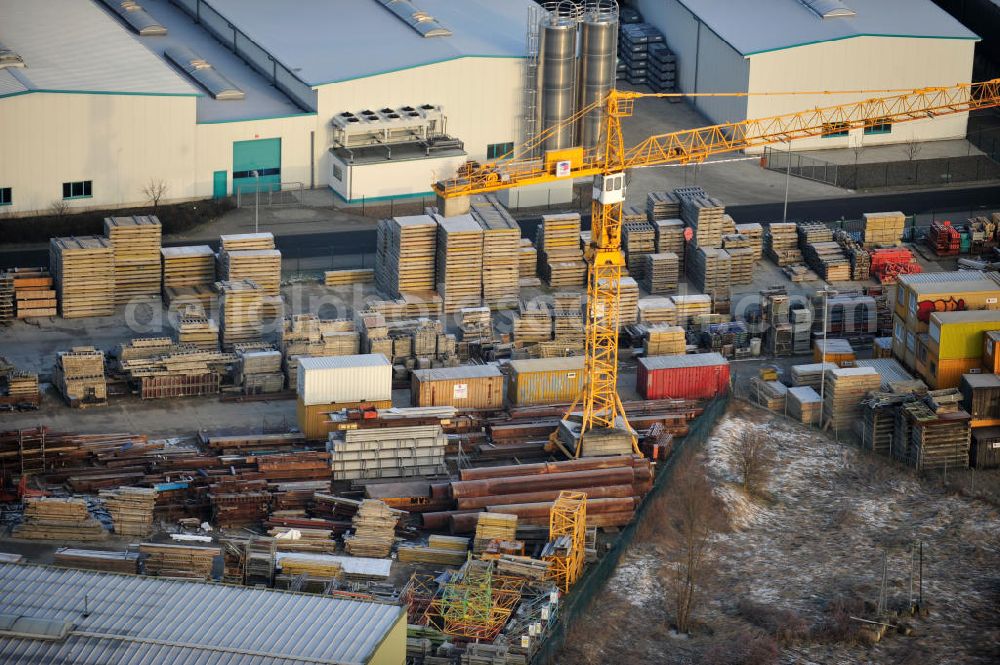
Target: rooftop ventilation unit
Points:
(425, 24)
(828, 8)
(388, 126)
(33, 628)
(9, 58)
(137, 17)
(205, 74)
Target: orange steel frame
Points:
(602, 408)
(568, 517)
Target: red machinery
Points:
(888, 264)
(944, 239)
(19, 491)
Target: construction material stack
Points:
(638, 240)
(533, 323)
(710, 270)
(781, 244)
(527, 262)
(405, 254)
(843, 392)
(16, 385)
(348, 277)
(494, 527)
(387, 452)
(188, 274)
(197, 330)
(560, 259)
(663, 206)
(50, 518)
(828, 260)
(628, 301)
(633, 51)
(804, 404)
(79, 376)
(660, 273)
(131, 509)
(691, 307)
(811, 232)
(84, 271)
(188, 561)
(859, 257)
(6, 296)
(262, 266)
(933, 433)
(260, 370)
(241, 309)
(136, 244)
(703, 214)
(657, 309)
(888, 264)
(664, 340)
(501, 251)
(661, 68)
(175, 371)
(944, 238)
(883, 229)
(374, 530)
(459, 262)
(755, 234)
(306, 335)
(27, 293)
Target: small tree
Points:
(753, 459)
(59, 208)
(912, 148)
(154, 191)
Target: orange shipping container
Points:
(948, 373)
(465, 387)
(312, 418)
(837, 351)
(991, 352)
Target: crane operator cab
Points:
(609, 189)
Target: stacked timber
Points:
(262, 266)
(741, 265)
(638, 240)
(938, 438)
(781, 244)
(560, 259)
(84, 271)
(32, 293)
(661, 272)
(79, 376)
(197, 330)
(880, 415)
(459, 262)
(828, 260)
(883, 229)
(709, 269)
(812, 232)
(241, 309)
(754, 232)
(501, 250)
(769, 394)
(704, 215)
(527, 260)
(136, 244)
(50, 518)
(811, 374)
(628, 301)
(494, 526)
(804, 404)
(348, 277)
(533, 323)
(657, 309)
(186, 267)
(662, 205)
(664, 340)
(131, 509)
(188, 561)
(311, 567)
(112, 562)
(523, 566)
(843, 392)
(246, 241)
(17, 384)
(691, 307)
(405, 253)
(390, 452)
(860, 258)
(374, 529)
(440, 550)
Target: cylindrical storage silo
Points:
(598, 52)
(557, 50)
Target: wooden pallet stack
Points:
(136, 243)
(709, 269)
(494, 526)
(812, 232)
(662, 205)
(664, 340)
(704, 215)
(567, 318)
(185, 268)
(79, 376)
(84, 271)
(187, 561)
(827, 259)
(406, 248)
(754, 232)
(560, 259)
(241, 312)
(131, 509)
(691, 307)
(112, 562)
(33, 294)
(348, 277)
(661, 273)
(197, 330)
(638, 241)
(527, 260)
(50, 518)
(932, 438)
(501, 250)
(843, 392)
(859, 257)
(374, 530)
(262, 266)
(741, 265)
(459, 262)
(657, 309)
(804, 404)
(781, 244)
(533, 323)
(883, 229)
(628, 301)
(769, 394)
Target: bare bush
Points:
(746, 647)
(786, 626)
(59, 208)
(912, 149)
(838, 626)
(753, 459)
(154, 191)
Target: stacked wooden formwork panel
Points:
(804, 404)
(704, 215)
(638, 240)
(670, 238)
(262, 266)
(84, 271)
(188, 275)
(241, 312)
(691, 307)
(657, 309)
(662, 205)
(754, 232)
(501, 251)
(883, 229)
(781, 244)
(405, 253)
(459, 262)
(628, 301)
(79, 376)
(33, 293)
(243, 241)
(664, 340)
(195, 329)
(843, 392)
(348, 277)
(661, 273)
(307, 335)
(533, 323)
(710, 269)
(560, 259)
(136, 243)
(527, 259)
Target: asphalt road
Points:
(338, 243)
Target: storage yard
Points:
(520, 432)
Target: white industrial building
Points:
(100, 97)
(761, 46)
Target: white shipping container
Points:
(360, 378)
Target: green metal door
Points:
(219, 185)
(256, 162)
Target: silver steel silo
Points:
(598, 52)
(557, 72)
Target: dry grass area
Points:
(793, 564)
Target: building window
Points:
(6, 197)
(77, 190)
(880, 126)
(498, 150)
(832, 129)
(260, 173)
(338, 173)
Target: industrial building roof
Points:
(75, 46)
(118, 618)
(759, 26)
(329, 41)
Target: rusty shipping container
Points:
(695, 376)
(466, 387)
(545, 380)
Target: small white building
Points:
(760, 46)
(92, 111)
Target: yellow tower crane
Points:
(602, 411)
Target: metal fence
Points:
(596, 576)
(270, 195)
(800, 166)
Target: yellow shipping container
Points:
(960, 334)
(924, 299)
(545, 380)
(948, 373)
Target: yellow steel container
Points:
(312, 418)
(545, 380)
(464, 387)
(960, 334)
(837, 351)
(925, 299)
(948, 373)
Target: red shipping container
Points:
(695, 376)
